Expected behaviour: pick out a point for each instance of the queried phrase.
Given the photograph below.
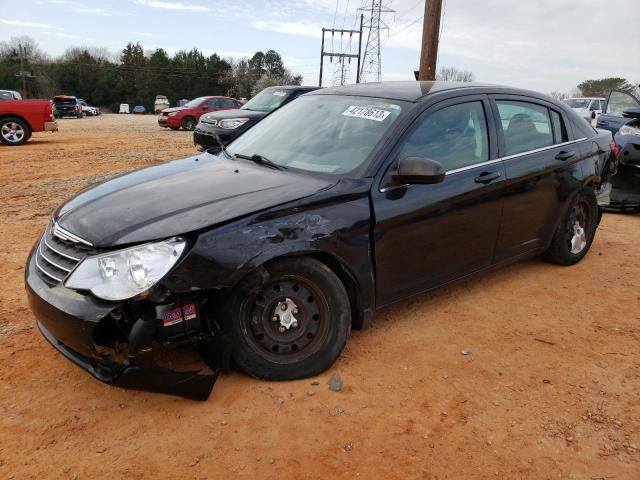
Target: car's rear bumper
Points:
(50, 126)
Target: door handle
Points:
(487, 177)
(565, 155)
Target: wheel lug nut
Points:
(283, 307)
(295, 311)
(281, 329)
(275, 318)
(294, 324)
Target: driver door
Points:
(427, 235)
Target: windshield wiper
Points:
(262, 160)
(223, 149)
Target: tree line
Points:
(135, 76)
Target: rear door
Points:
(427, 235)
(612, 119)
(542, 171)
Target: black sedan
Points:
(229, 124)
(622, 117)
(343, 202)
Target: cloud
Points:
(173, 5)
(144, 34)
(68, 35)
(20, 23)
(292, 28)
(93, 11)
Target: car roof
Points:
(414, 91)
(293, 87)
(585, 98)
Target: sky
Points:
(543, 45)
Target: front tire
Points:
(14, 131)
(291, 323)
(189, 123)
(574, 235)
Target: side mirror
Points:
(593, 114)
(631, 112)
(419, 170)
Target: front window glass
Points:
(267, 100)
(620, 101)
(455, 136)
(6, 96)
(195, 102)
(577, 102)
(526, 126)
(321, 133)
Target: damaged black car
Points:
(336, 205)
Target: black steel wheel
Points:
(575, 233)
(292, 324)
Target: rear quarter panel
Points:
(31, 111)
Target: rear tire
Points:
(312, 320)
(14, 131)
(574, 235)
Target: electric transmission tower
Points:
(371, 68)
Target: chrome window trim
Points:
(60, 232)
(496, 160)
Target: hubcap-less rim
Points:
(577, 228)
(12, 132)
(286, 320)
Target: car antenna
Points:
(223, 149)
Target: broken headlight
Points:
(123, 274)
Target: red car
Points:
(188, 115)
(20, 118)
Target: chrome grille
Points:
(58, 253)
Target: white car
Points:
(588, 108)
(89, 110)
(161, 103)
(124, 108)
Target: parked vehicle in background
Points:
(124, 108)
(20, 118)
(229, 124)
(87, 109)
(10, 95)
(139, 109)
(621, 108)
(182, 102)
(187, 116)
(333, 207)
(67, 106)
(622, 117)
(587, 107)
(160, 103)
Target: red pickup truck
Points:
(20, 118)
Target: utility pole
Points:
(23, 74)
(430, 38)
(341, 56)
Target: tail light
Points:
(615, 150)
(48, 111)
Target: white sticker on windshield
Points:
(369, 113)
(280, 93)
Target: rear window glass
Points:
(559, 130)
(526, 126)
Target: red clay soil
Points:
(550, 387)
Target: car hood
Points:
(233, 113)
(178, 197)
(173, 109)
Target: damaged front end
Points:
(130, 344)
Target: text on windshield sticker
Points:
(369, 113)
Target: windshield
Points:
(195, 102)
(577, 102)
(320, 133)
(267, 100)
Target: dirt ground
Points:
(550, 389)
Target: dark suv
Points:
(231, 123)
(67, 106)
